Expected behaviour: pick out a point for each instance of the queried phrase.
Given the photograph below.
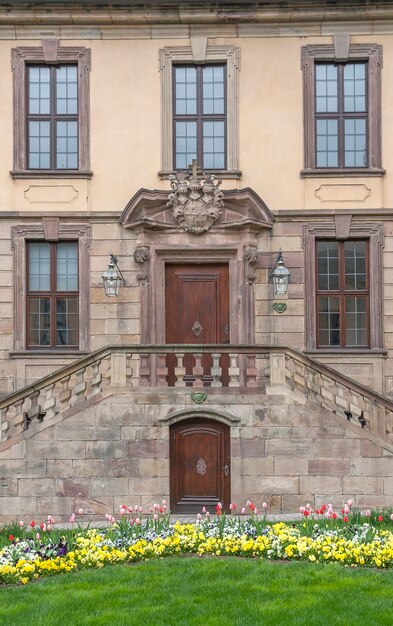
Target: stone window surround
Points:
(374, 234)
(50, 53)
(213, 54)
(50, 229)
(356, 52)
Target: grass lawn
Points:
(204, 591)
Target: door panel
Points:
(200, 465)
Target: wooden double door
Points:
(197, 312)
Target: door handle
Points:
(226, 470)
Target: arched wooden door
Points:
(199, 465)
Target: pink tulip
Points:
(203, 509)
(164, 503)
(256, 511)
(367, 513)
(37, 536)
(137, 521)
(302, 509)
(80, 511)
(131, 521)
(264, 505)
(140, 509)
(199, 516)
(207, 514)
(49, 527)
(72, 518)
(243, 510)
(21, 524)
(129, 509)
(123, 511)
(136, 508)
(350, 503)
(391, 517)
(155, 517)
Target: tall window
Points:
(341, 115)
(199, 116)
(52, 295)
(342, 110)
(52, 117)
(342, 294)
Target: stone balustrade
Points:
(250, 369)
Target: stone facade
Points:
(282, 448)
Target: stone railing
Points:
(251, 369)
(68, 389)
(325, 387)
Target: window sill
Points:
(344, 351)
(341, 173)
(51, 174)
(47, 353)
(235, 174)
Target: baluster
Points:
(251, 371)
(129, 369)
(144, 370)
(79, 389)
(49, 405)
(216, 370)
(16, 419)
(35, 408)
(233, 371)
(162, 371)
(4, 424)
(197, 371)
(65, 393)
(96, 378)
(180, 370)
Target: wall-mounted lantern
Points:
(280, 276)
(112, 277)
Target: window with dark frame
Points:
(199, 116)
(341, 114)
(52, 117)
(52, 294)
(342, 110)
(342, 289)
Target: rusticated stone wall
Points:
(117, 452)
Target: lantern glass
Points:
(111, 280)
(280, 276)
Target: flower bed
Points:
(349, 538)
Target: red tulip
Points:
(32, 523)
(345, 518)
(11, 537)
(380, 518)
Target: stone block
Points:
(388, 486)
(111, 433)
(283, 447)
(151, 448)
(153, 467)
(59, 469)
(93, 506)
(336, 501)
(286, 466)
(338, 448)
(122, 468)
(362, 485)
(257, 466)
(328, 467)
(372, 467)
(148, 486)
(292, 503)
(371, 502)
(320, 484)
(55, 506)
(18, 450)
(22, 468)
(8, 487)
(271, 485)
(370, 449)
(63, 450)
(36, 487)
(248, 448)
(89, 468)
(108, 486)
(70, 487)
(106, 450)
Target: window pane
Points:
(66, 321)
(38, 90)
(329, 321)
(67, 266)
(66, 145)
(67, 90)
(326, 88)
(39, 322)
(39, 267)
(213, 90)
(355, 143)
(186, 145)
(356, 321)
(185, 91)
(355, 265)
(39, 145)
(354, 87)
(327, 258)
(327, 143)
(214, 145)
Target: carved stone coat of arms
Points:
(196, 202)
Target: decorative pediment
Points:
(154, 210)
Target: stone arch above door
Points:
(231, 239)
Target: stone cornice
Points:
(171, 17)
